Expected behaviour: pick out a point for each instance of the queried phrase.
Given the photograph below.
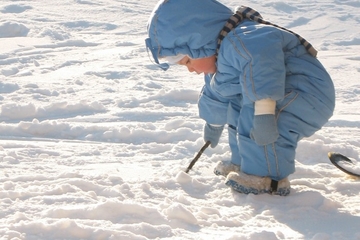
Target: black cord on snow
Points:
(336, 158)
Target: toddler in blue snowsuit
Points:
(262, 81)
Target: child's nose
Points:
(190, 69)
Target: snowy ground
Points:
(94, 138)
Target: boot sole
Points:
(247, 190)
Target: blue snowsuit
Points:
(255, 62)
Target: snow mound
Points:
(13, 29)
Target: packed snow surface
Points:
(94, 139)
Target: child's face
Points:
(199, 65)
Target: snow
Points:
(94, 139)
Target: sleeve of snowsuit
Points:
(212, 107)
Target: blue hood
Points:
(189, 27)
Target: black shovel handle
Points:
(197, 156)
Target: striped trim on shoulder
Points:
(233, 21)
(249, 13)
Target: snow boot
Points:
(245, 183)
(223, 168)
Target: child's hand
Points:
(212, 133)
(264, 129)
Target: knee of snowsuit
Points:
(298, 115)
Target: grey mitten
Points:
(212, 133)
(264, 129)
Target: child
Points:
(262, 81)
